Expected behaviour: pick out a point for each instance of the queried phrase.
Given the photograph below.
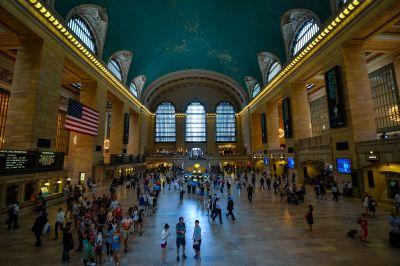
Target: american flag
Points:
(81, 118)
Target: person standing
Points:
(397, 202)
(363, 222)
(13, 213)
(250, 192)
(335, 192)
(310, 217)
(126, 227)
(229, 207)
(59, 224)
(268, 183)
(197, 239)
(180, 238)
(68, 242)
(164, 237)
(38, 226)
(116, 245)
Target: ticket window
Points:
(30, 191)
(12, 194)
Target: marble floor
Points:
(266, 232)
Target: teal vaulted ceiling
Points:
(217, 35)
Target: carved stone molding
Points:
(97, 18)
(6, 76)
(291, 22)
(265, 60)
(124, 59)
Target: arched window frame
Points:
(195, 124)
(225, 122)
(256, 89)
(304, 34)
(273, 70)
(133, 89)
(83, 31)
(165, 123)
(115, 68)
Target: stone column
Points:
(357, 92)
(82, 153)
(246, 129)
(35, 95)
(180, 132)
(144, 131)
(117, 126)
(272, 126)
(133, 145)
(255, 133)
(211, 134)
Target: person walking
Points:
(116, 245)
(217, 210)
(262, 181)
(126, 228)
(268, 180)
(38, 226)
(68, 242)
(180, 238)
(229, 207)
(310, 217)
(164, 237)
(250, 191)
(197, 240)
(59, 222)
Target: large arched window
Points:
(195, 123)
(133, 89)
(115, 68)
(165, 123)
(273, 70)
(256, 89)
(304, 35)
(83, 31)
(225, 123)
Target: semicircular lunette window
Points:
(273, 70)
(225, 123)
(165, 123)
(82, 30)
(115, 68)
(256, 90)
(304, 35)
(195, 123)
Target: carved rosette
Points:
(265, 60)
(291, 21)
(97, 18)
(124, 59)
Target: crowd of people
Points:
(102, 228)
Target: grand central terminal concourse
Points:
(199, 132)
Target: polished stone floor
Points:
(266, 232)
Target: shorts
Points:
(164, 245)
(196, 247)
(180, 242)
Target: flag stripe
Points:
(83, 122)
(81, 119)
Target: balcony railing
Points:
(119, 159)
(313, 143)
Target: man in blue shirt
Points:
(180, 238)
(197, 239)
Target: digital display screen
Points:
(343, 166)
(266, 160)
(290, 162)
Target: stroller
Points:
(292, 199)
